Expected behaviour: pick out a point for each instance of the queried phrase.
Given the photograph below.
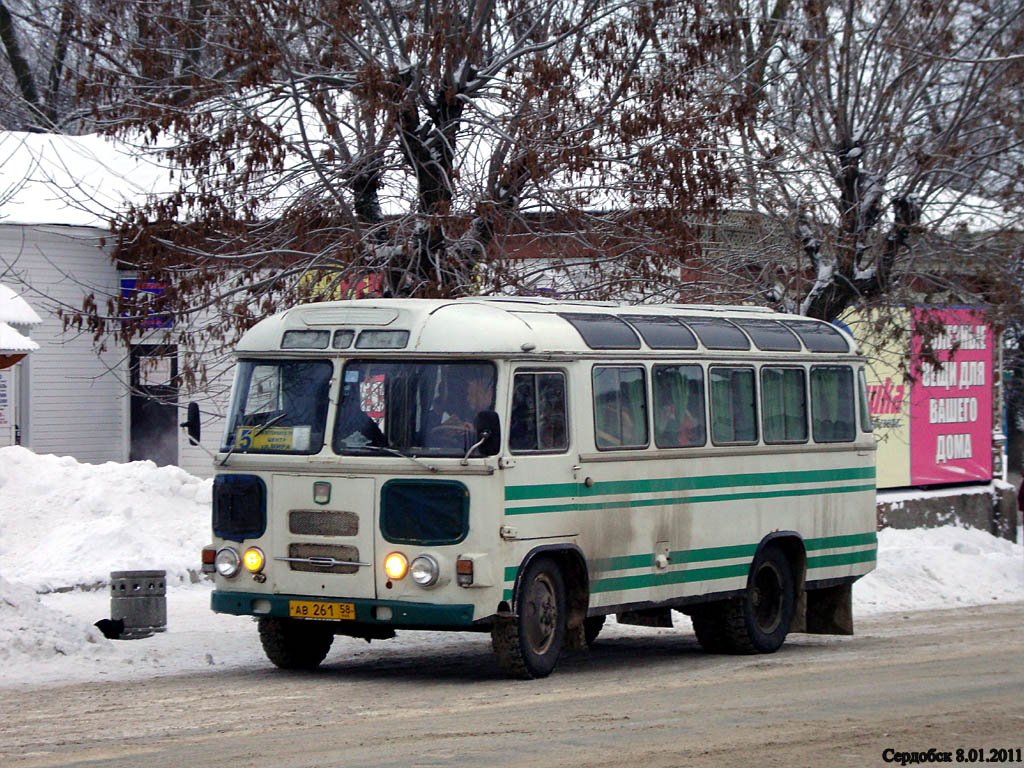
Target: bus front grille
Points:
(323, 522)
(323, 558)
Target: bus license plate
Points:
(310, 609)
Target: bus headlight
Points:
(253, 559)
(425, 570)
(395, 565)
(227, 562)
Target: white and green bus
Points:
(526, 467)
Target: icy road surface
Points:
(941, 680)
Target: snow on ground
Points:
(64, 524)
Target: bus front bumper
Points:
(384, 613)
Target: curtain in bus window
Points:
(833, 418)
(620, 407)
(679, 406)
(784, 405)
(733, 410)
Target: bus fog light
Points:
(227, 562)
(253, 559)
(395, 565)
(425, 570)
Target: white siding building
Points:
(69, 398)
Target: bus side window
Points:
(620, 407)
(833, 416)
(679, 420)
(733, 405)
(865, 411)
(784, 404)
(538, 419)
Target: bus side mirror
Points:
(487, 421)
(191, 423)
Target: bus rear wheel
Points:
(759, 621)
(294, 644)
(528, 646)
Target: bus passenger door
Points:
(541, 490)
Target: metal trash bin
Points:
(140, 599)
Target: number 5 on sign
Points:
(244, 439)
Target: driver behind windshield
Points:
(468, 393)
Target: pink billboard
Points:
(951, 400)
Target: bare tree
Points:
(883, 158)
(318, 144)
(39, 43)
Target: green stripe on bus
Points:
(846, 558)
(709, 554)
(615, 487)
(658, 502)
(849, 540)
(641, 581)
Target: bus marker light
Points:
(209, 555)
(321, 492)
(464, 572)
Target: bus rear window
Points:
(833, 419)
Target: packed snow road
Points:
(906, 682)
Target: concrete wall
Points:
(991, 507)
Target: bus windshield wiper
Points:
(403, 454)
(257, 430)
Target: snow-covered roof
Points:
(13, 343)
(72, 180)
(15, 311)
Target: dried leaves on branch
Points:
(323, 147)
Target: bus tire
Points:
(292, 644)
(528, 646)
(709, 627)
(759, 621)
(592, 628)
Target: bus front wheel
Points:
(294, 644)
(528, 646)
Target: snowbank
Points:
(944, 567)
(29, 631)
(66, 524)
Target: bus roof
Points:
(517, 325)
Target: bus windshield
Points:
(410, 407)
(280, 406)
